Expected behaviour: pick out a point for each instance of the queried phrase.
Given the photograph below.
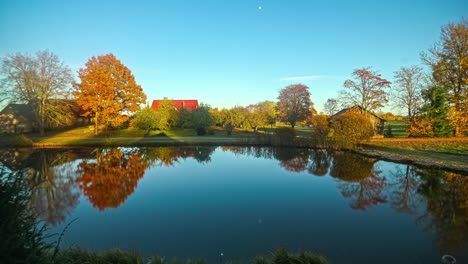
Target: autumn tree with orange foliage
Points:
(108, 91)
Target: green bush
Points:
(201, 120)
(113, 256)
(147, 119)
(351, 128)
(282, 256)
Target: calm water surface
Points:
(201, 201)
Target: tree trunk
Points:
(96, 123)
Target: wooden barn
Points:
(179, 104)
(20, 118)
(17, 118)
(376, 121)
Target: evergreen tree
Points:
(436, 108)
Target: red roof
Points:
(190, 104)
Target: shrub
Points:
(201, 120)
(22, 141)
(229, 128)
(201, 131)
(147, 119)
(282, 256)
(320, 129)
(21, 238)
(184, 116)
(350, 128)
(389, 132)
(420, 127)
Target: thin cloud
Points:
(299, 78)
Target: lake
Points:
(200, 202)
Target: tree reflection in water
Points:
(111, 178)
(404, 187)
(50, 174)
(359, 180)
(320, 161)
(315, 161)
(107, 177)
(113, 175)
(446, 195)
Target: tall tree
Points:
(108, 91)
(331, 106)
(448, 60)
(366, 90)
(410, 83)
(294, 104)
(36, 80)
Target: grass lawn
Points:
(457, 146)
(398, 128)
(133, 136)
(448, 153)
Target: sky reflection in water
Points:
(200, 201)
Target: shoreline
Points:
(415, 160)
(414, 157)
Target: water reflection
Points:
(110, 177)
(404, 194)
(107, 177)
(446, 214)
(360, 181)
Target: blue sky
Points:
(228, 52)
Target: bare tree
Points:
(366, 90)
(331, 106)
(407, 94)
(38, 80)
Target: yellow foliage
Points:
(420, 127)
(459, 120)
(350, 128)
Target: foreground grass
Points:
(76, 256)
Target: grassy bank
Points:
(84, 136)
(446, 153)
